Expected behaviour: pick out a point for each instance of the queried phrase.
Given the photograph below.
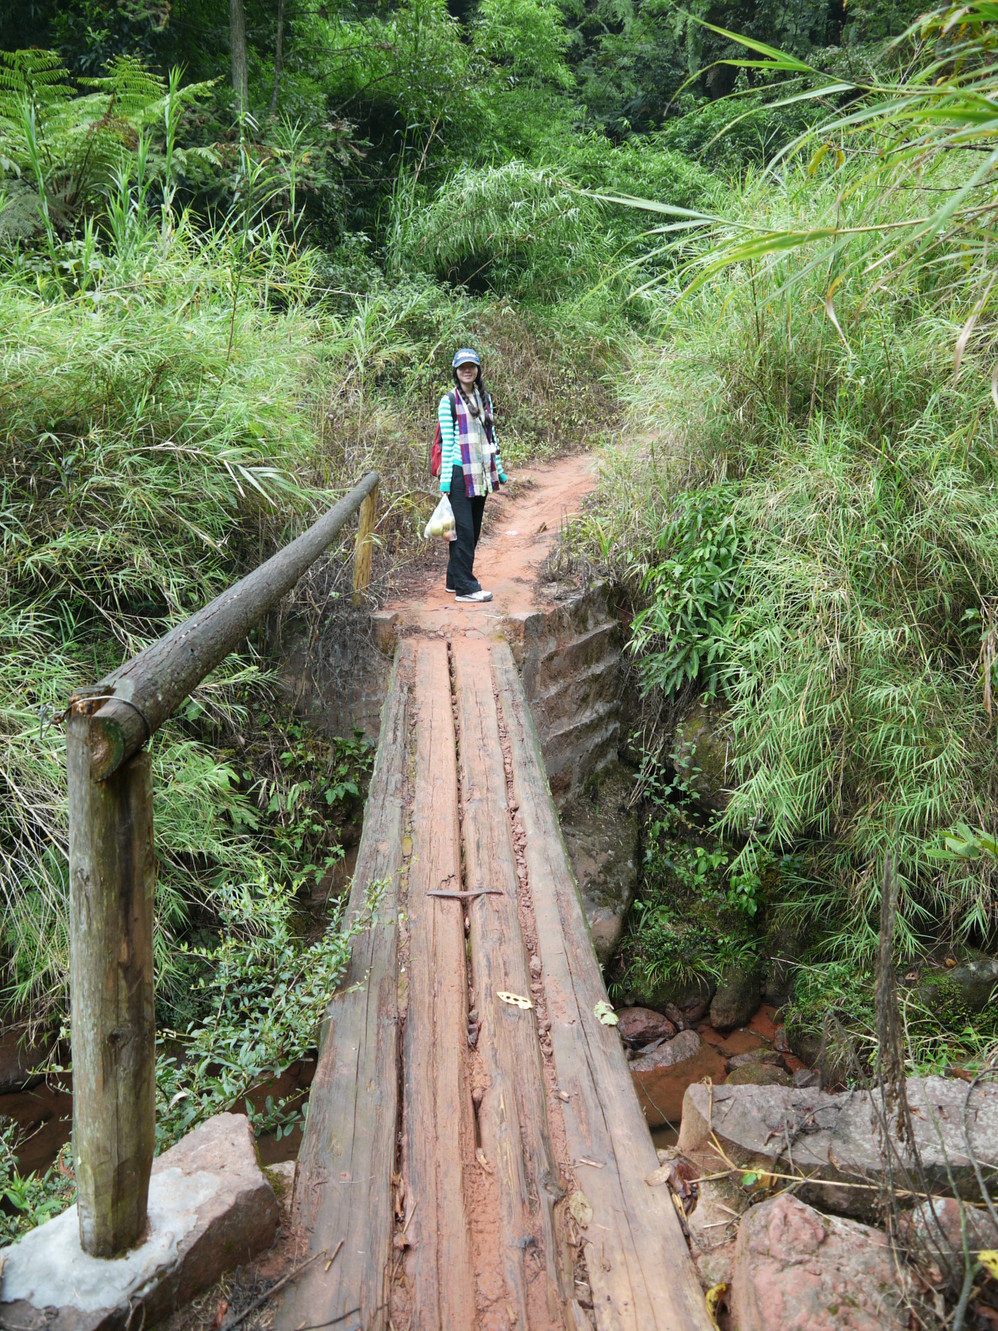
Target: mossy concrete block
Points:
(702, 754)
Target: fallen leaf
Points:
(604, 1011)
(712, 1298)
(514, 1000)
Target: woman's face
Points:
(467, 373)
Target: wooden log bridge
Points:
(475, 1156)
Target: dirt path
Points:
(522, 523)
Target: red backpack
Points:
(436, 450)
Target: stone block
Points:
(830, 1141)
(210, 1208)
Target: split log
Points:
(640, 1270)
(344, 1180)
(512, 1117)
(438, 1124)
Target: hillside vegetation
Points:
(232, 274)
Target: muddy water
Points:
(45, 1115)
(661, 1091)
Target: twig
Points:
(318, 1326)
(279, 1285)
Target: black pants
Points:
(468, 522)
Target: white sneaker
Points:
(480, 595)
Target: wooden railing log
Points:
(364, 546)
(112, 883)
(148, 688)
(112, 873)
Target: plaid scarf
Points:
(477, 481)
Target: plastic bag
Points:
(441, 521)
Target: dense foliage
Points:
(237, 242)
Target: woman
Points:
(470, 468)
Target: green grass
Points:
(856, 476)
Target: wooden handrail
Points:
(137, 698)
(112, 876)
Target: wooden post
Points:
(112, 876)
(363, 547)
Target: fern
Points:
(69, 148)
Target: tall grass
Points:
(859, 476)
(149, 448)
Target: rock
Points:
(780, 1041)
(778, 981)
(737, 998)
(682, 1047)
(933, 1231)
(805, 1077)
(210, 1208)
(684, 1001)
(759, 1074)
(641, 1025)
(21, 1054)
(662, 1076)
(282, 1180)
(757, 1055)
(713, 1225)
(823, 1049)
(601, 835)
(830, 1139)
(797, 1270)
(962, 990)
(701, 754)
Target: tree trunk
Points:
(278, 57)
(237, 41)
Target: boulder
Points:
(934, 1233)
(737, 998)
(830, 1140)
(961, 990)
(641, 1025)
(210, 1208)
(662, 1075)
(795, 1269)
(684, 1001)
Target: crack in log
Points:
(572, 1244)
